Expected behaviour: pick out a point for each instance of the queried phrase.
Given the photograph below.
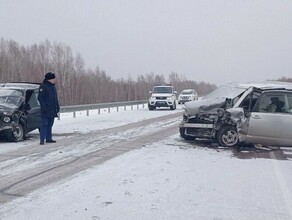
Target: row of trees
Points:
(77, 84)
(285, 79)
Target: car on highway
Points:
(19, 110)
(162, 95)
(254, 113)
(187, 95)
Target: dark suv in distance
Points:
(19, 110)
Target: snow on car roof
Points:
(261, 85)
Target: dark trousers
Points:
(46, 129)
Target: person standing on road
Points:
(48, 99)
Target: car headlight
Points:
(6, 119)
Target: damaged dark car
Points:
(19, 110)
(250, 113)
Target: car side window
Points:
(33, 101)
(289, 103)
(262, 104)
(271, 103)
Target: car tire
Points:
(150, 107)
(227, 136)
(184, 136)
(17, 135)
(173, 107)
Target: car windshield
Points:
(10, 98)
(187, 92)
(160, 89)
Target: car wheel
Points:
(227, 136)
(17, 134)
(173, 107)
(150, 107)
(184, 136)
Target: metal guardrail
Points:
(87, 108)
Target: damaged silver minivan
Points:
(255, 113)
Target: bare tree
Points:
(76, 84)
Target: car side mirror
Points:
(150, 92)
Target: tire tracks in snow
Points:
(35, 166)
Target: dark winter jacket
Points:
(48, 99)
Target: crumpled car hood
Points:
(7, 107)
(214, 100)
(206, 106)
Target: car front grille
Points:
(185, 97)
(161, 98)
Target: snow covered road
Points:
(36, 166)
(133, 165)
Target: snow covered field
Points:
(170, 179)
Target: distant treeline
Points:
(285, 79)
(77, 84)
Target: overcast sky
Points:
(216, 41)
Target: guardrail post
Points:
(125, 108)
(109, 109)
(74, 114)
(87, 112)
(117, 108)
(99, 111)
(59, 116)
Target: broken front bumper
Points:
(198, 130)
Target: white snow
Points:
(171, 179)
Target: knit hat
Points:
(50, 75)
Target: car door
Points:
(271, 128)
(34, 113)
